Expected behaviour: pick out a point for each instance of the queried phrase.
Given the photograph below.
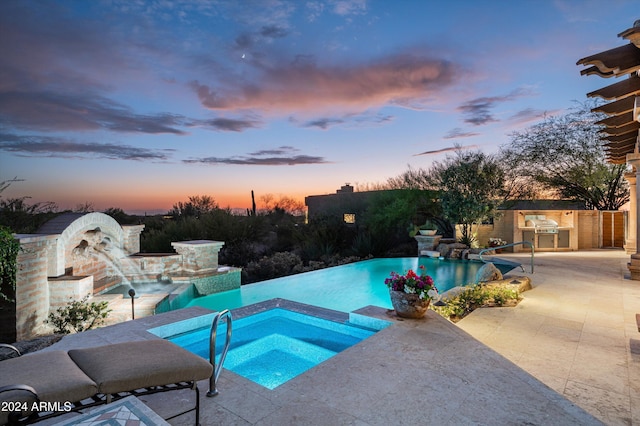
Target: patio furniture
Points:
(50, 383)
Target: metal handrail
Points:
(213, 391)
(510, 245)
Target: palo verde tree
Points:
(563, 157)
(471, 186)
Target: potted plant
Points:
(497, 242)
(411, 293)
(428, 228)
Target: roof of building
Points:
(544, 205)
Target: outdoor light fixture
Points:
(132, 293)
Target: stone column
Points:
(32, 287)
(131, 240)
(632, 220)
(198, 255)
(634, 264)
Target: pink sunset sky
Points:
(139, 105)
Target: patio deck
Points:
(562, 356)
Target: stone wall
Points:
(131, 235)
(149, 267)
(32, 289)
(76, 255)
(198, 255)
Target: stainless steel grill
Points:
(543, 225)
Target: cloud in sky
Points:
(459, 133)
(479, 111)
(282, 156)
(39, 110)
(448, 149)
(529, 115)
(345, 120)
(43, 146)
(229, 124)
(401, 80)
(324, 123)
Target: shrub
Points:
(9, 248)
(277, 265)
(474, 297)
(78, 315)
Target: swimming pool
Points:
(348, 287)
(274, 346)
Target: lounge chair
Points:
(80, 378)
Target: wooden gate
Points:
(612, 227)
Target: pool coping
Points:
(354, 318)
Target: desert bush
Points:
(78, 315)
(9, 248)
(277, 265)
(474, 297)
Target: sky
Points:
(140, 104)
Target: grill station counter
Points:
(551, 231)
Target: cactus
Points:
(252, 212)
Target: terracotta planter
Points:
(409, 305)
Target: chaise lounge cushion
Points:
(52, 374)
(127, 366)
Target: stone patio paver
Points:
(579, 327)
(563, 356)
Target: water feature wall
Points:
(78, 254)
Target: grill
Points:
(542, 225)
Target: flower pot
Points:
(409, 305)
(428, 232)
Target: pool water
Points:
(272, 347)
(348, 287)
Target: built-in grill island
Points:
(551, 231)
(541, 225)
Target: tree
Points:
(563, 157)
(195, 207)
(120, 216)
(20, 216)
(471, 188)
(287, 204)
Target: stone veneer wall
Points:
(32, 290)
(131, 238)
(144, 268)
(198, 255)
(74, 251)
